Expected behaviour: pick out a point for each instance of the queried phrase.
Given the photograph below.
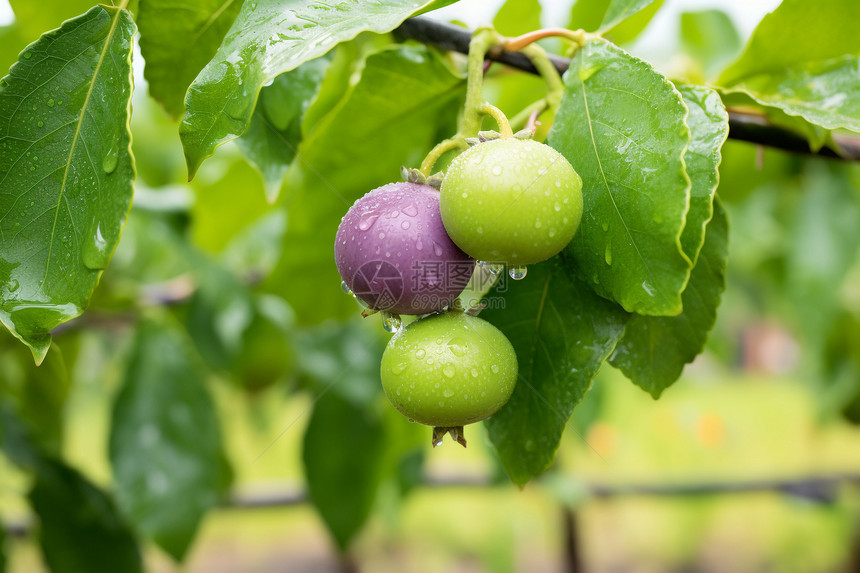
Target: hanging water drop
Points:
(345, 288)
(391, 322)
(518, 273)
(496, 268)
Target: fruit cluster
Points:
(411, 248)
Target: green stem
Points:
(482, 41)
(550, 75)
(501, 120)
(520, 120)
(441, 148)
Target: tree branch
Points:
(742, 126)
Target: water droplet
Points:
(404, 225)
(410, 210)
(95, 252)
(494, 368)
(110, 159)
(391, 322)
(381, 235)
(437, 249)
(447, 392)
(420, 354)
(394, 214)
(648, 288)
(50, 102)
(345, 288)
(27, 55)
(474, 372)
(449, 370)
(557, 207)
(400, 368)
(40, 123)
(13, 285)
(367, 222)
(480, 230)
(496, 268)
(607, 254)
(465, 195)
(538, 224)
(605, 226)
(497, 170)
(457, 346)
(518, 273)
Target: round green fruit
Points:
(449, 370)
(512, 201)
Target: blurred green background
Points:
(769, 403)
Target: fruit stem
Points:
(482, 40)
(456, 142)
(499, 116)
(522, 119)
(516, 44)
(550, 75)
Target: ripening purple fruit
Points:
(393, 253)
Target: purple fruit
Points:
(393, 253)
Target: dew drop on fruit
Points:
(420, 354)
(448, 393)
(345, 288)
(390, 322)
(496, 268)
(518, 273)
(437, 249)
(367, 222)
(457, 346)
(410, 210)
(449, 370)
(495, 368)
(404, 225)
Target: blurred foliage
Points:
(219, 337)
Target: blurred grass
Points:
(709, 427)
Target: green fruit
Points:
(449, 370)
(512, 201)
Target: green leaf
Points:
(343, 448)
(709, 127)
(562, 332)
(276, 127)
(710, 37)
(629, 29)
(177, 39)
(517, 17)
(36, 394)
(587, 14)
(268, 38)
(81, 530)
(619, 10)
(357, 147)
(66, 170)
(34, 18)
(622, 126)
(797, 33)
(654, 349)
(165, 444)
(824, 93)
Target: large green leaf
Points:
(81, 530)
(824, 93)
(590, 14)
(358, 146)
(562, 332)
(801, 59)
(622, 126)
(165, 444)
(619, 10)
(517, 17)
(35, 18)
(709, 128)
(66, 170)
(654, 349)
(343, 448)
(177, 39)
(797, 33)
(268, 38)
(276, 126)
